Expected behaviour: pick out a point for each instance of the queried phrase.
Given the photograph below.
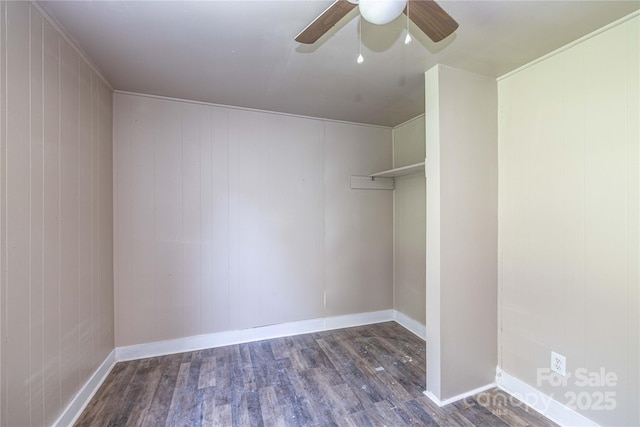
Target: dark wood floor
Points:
(364, 376)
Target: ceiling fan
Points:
(426, 14)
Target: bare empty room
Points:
(316, 213)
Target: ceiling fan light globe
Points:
(381, 12)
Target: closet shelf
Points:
(404, 170)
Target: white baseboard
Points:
(540, 402)
(73, 410)
(412, 325)
(219, 339)
(461, 396)
(351, 320)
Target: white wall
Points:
(409, 285)
(56, 219)
(228, 219)
(461, 259)
(569, 195)
(409, 142)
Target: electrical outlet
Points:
(558, 363)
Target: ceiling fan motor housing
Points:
(381, 12)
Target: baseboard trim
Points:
(540, 402)
(461, 396)
(80, 401)
(351, 320)
(220, 339)
(410, 324)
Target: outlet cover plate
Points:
(558, 363)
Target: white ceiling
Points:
(243, 53)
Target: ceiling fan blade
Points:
(431, 19)
(325, 21)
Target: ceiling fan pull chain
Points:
(360, 59)
(407, 39)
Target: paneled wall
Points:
(56, 219)
(228, 219)
(409, 222)
(569, 229)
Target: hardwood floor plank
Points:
(271, 411)
(248, 377)
(223, 384)
(314, 383)
(356, 372)
(510, 409)
(207, 377)
(222, 416)
(442, 416)
(301, 342)
(380, 414)
(281, 347)
(161, 401)
(239, 409)
(293, 401)
(267, 374)
(261, 352)
(479, 415)
(418, 411)
(254, 408)
(397, 392)
(182, 402)
(148, 376)
(245, 354)
(460, 419)
(315, 358)
(207, 404)
(297, 361)
(104, 404)
(342, 397)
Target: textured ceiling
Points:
(243, 53)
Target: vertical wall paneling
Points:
(236, 232)
(214, 140)
(121, 219)
(17, 208)
(191, 223)
(292, 217)
(37, 219)
(410, 246)
(68, 252)
(409, 222)
(51, 194)
(57, 317)
(96, 299)
(3, 228)
(569, 229)
(105, 227)
(83, 208)
(168, 195)
(245, 233)
(355, 220)
(206, 309)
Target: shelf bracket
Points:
(371, 183)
